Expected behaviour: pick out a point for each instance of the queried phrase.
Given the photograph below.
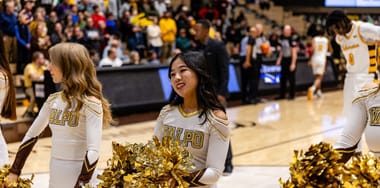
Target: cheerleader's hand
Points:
(12, 178)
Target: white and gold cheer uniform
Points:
(208, 142)
(318, 60)
(76, 139)
(359, 49)
(364, 117)
(4, 159)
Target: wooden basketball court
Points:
(263, 139)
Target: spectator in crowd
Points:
(153, 33)
(27, 10)
(152, 58)
(50, 23)
(39, 19)
(135, 58)
(148, 7)
(8, 23)
(24, 38)
(125, 7)
(182, 42)
(47, 5)
(168, 33)
(63, 9)
(111, 60)
(57, 36)
(40, 41)
(111, 24)
(112, 7)
(287, 58)
(86, 6)
(82, 20)
(93, 35)
(97, 16)
(160, 7)
(104, 33)
(78, 36)
(116, 43)
(94, 55)
(208, 12)
(34, 71)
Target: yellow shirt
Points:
(30, 69)
(168, 29)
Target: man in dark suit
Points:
(217, 60)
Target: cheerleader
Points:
(196, 118)
(75, 115)
(7, 100)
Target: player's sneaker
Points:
(310, 93)
(319, 93)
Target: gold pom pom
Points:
(155, 164)
(317, 167)
(320, 167)
(21, 182)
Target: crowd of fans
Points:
(128, 31)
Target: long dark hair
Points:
(206, 94)
(9, 107)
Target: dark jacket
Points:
(217, 61)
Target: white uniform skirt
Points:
(4, 159)
(64, 173)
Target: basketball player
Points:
(196, 117)
(358, 43)
(320, 46)
(364, 117)
(75, 115)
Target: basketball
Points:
(265, 48)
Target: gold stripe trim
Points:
(224, 122)
(92, 101)
(31, 141)
(372, 61)
(92, 109)
(372, 53)
(225, 137)
(88, 166)
(194, 179)
(372, 69)
(345, 151)
(361, 97)
(186, 115)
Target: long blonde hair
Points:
(78, 76)
(9, 106)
